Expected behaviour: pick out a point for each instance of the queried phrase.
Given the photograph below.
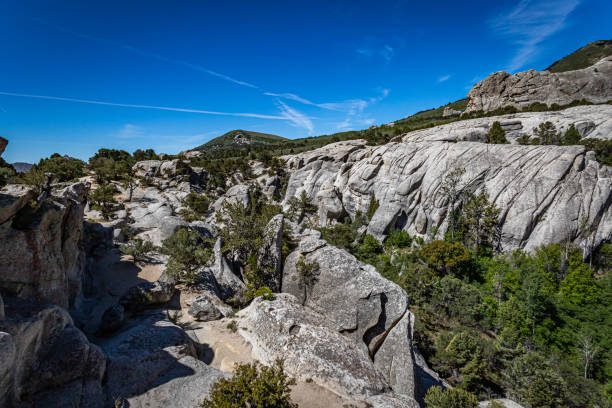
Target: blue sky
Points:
(79, 75)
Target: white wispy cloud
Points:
(530, 23)
(444, 78)
(130, 131)
(129, 105)
(385, 51)
(352, 107)
(297, 119)
(354, 114)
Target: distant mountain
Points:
(240, 139)
(583, 57)
(21, 167)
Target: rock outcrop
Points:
(3, 143)
(591, 121)
(310, 346)
(155, 363)
(45, 360)
(546, 193)
(41, 258)
(502, 89)
(358, 302)
(170, 173)
(270, 254)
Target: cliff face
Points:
(520, 90)
(546, 193)
(41, 259)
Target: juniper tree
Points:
(452, 191)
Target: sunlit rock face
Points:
(546, 193)
(501, 89)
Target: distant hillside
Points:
(240, 139)
(433, 115)
(583, 57)
(21, 167)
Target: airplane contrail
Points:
(129, 105)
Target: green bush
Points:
(436, 397)
(137, 249)
(398, 239)
(252, 385)
(445, 257)
(103, 200)
(7, 172)
(496, 135)
(264, 292)
(188, 251)
(63, 168)
(308, 275)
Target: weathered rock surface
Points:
(155, 363)
(505, 402)
(226, 282)
(203, 309)
(146, 294)
(170, 173)
(592, 121)
(112, 319)
(310, 346)
(45, 360)
(40, 254)
(392, 401)
(12, 199)
(366, 308)
(235, 194)
(545, 192)
(502, 89)
(270, 254)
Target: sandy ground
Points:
(221, 348)
(114, 274)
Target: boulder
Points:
(359, 303)
(505, 402)
(112, 319)
(501, 89)
(309, 345)
(392, 401)
(147, 168)
(203, 310)
(235, 194)
(270, 254)
(45, 359)
(40, 251)
(145, 294)
(227, 283)
(12, 199)
(154, 363)
(3, 143)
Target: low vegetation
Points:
(252, 385)
(188, 251)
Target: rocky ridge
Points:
(501, 89)
(546, 193)
(591, 121)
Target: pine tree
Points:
(496, 134)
